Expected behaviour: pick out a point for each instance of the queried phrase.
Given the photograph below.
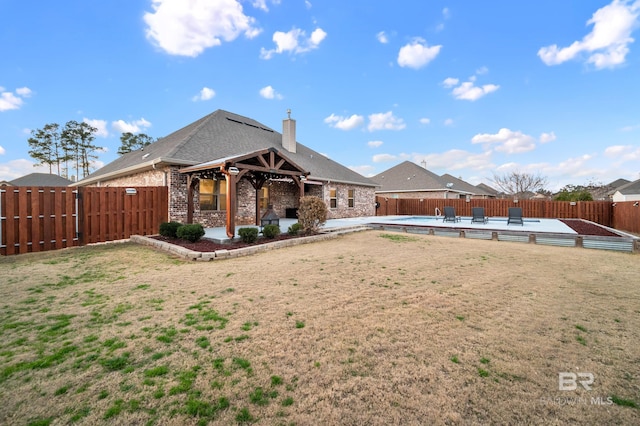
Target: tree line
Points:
(72, 147)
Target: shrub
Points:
(312, 213)
(271, 230)
(169, 229)
(294, 229)
(191, 232)
(248, 235)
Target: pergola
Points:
(257, 167)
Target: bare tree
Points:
(519, 184)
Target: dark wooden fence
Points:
(36, 219)
(624, 216)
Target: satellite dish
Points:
(450, 185)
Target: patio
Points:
(494, 224)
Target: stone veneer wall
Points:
(364, 201)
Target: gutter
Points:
(149, 165)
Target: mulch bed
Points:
(206, 245)
(587, 228)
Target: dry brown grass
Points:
(372, 328)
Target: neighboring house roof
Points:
(462, 186)
(408, 177)
(41, 179)
(487, 189)
(222, 134)
(631, 188)
(613, 186)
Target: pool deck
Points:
(537, 226)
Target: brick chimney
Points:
(289, 133)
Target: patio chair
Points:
(515, 216)
(450, 215)
(477, 215)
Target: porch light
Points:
(233, 171)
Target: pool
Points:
(431, 219)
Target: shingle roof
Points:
(218, 135)
(486, 188)
(630, 188)
(41, 179)
(408, 176)
(460, 185)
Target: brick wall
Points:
(364, 201)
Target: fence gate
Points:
(36, 219)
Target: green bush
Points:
(271, 230)
(312, 213)
(294, 229)
(248, 235)
(169, 229)
(191, 232)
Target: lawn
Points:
(370, 328)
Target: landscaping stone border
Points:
(245, 251)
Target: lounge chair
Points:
(450, 215)
(515, 216)
(477, 215)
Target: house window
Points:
(213, 194)
(264, 198)
(333, 198)
(351, 197)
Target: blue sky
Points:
(473, 88)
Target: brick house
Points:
(408, 180)
(226, 162)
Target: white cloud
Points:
(308, 4)
(623, 153)
(365, 170)
(417, 54)
(425, 120)
(547, 137)
(136, 126)
(448, 122)
(345, 123)
(101, 125)
(269, 92)
(25, 92)
(506, 141)
(446, 13)
(204, 95)
(187, 28)
(456, 159)
(2, 150)
(450, 82)
(467, 90)
(482, 70)
(375, 144)
(294, 41)
(385, 121)
(9, 100)
(630, 128)
(386, 158)
(382, 37)
(17, 168)
(607, 44)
